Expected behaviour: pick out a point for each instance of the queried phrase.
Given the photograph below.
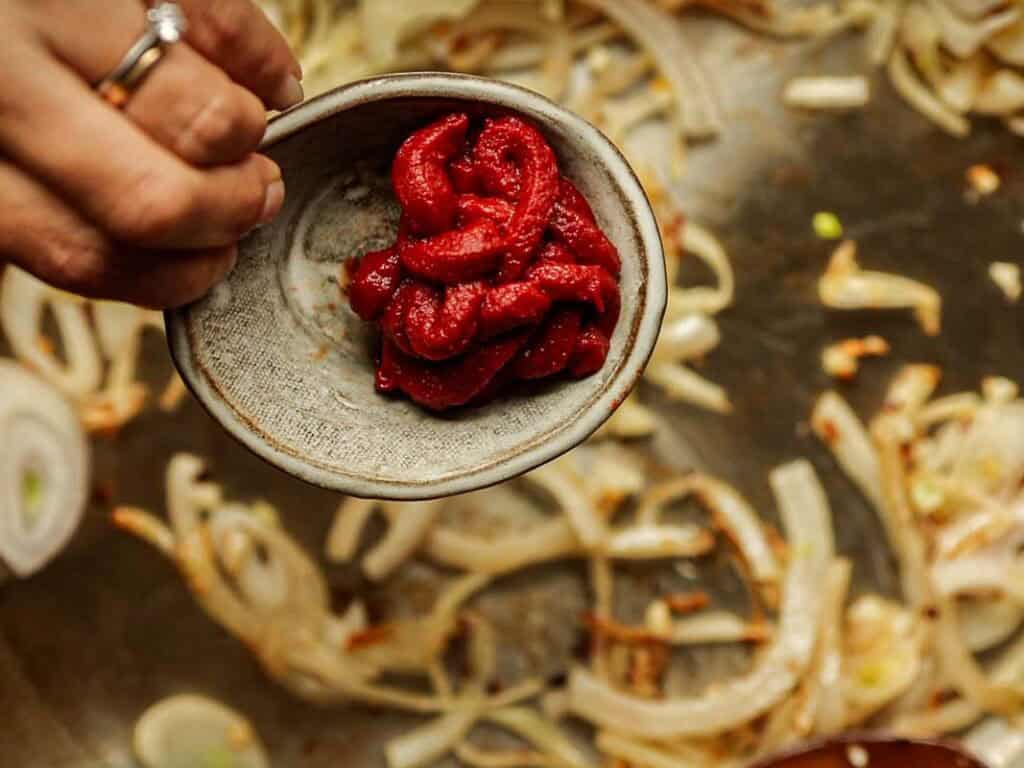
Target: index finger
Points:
(239, 38)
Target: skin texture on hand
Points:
(146, 204)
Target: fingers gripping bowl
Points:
(276, 355)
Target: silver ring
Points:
(165, 25)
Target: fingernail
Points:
(289, 93)
(273, 201)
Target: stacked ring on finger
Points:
(166, 25)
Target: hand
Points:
(146, 204)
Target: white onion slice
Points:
(964, 37)
(804, 511)
(730, 512)
(984, 624)
(846, 286)
(850, 92)
(837, 426)
(1002, 93)
(587, 524)
(923, 100)
(1008, 44)
(428, 743)
(44, 470)
(646, 542)
(709, 301)
(542, 543)
(687, 337)
(408, 526)
(685, 384)
(997, 743)
(663, 40)
(716, 627)
(23, 300)
(343, 539)
(187, 731)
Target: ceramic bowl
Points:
(277, 357)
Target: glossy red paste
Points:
(500, 271)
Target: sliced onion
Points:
(716, 627)
(386, 25)
(349, 522)
(1002, 93)
(980, 574)
(920, 98)
(850, 92)
(687, 337)
(545, 542)
(837, 426)
(187, 730)
(984, 624)
(964, 37)
(409, 525)
(428, 743)
(44, 470)
(709, 301)
(542, 734)
(804, 510)
(842, 359)
(663, 40)
(846, 286)
(587, 524)
(23, 300)
(825, 711)
(881, 656)
(731, 513)
(996, 742)
(645, 542)
(630, 420)
(682, 383)
(1008, 44)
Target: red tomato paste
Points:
(500, 272)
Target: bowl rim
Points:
(869, 739)
(636, 356)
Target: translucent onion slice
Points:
(805, 513)
(408, 526)
(846, 286)
(687, 337)
(188, 731)
(731, 513)
(23, 300)
(906, 83)
(646, 542)
(1002, 93)
(709, 301)
(984, 624)
(837, 426)
(44, 470)
(717, 627)
(428, 743)
(850, 92)
(1008, 44)
(685, 384)
(963, 37)
(663, 40)
(996, 742)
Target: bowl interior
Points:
(278, 357)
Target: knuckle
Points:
(219, 124)
(151, 208)
(78, 264)
(225, 23)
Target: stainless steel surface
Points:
(109, 628)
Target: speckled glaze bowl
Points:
(277, 357)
